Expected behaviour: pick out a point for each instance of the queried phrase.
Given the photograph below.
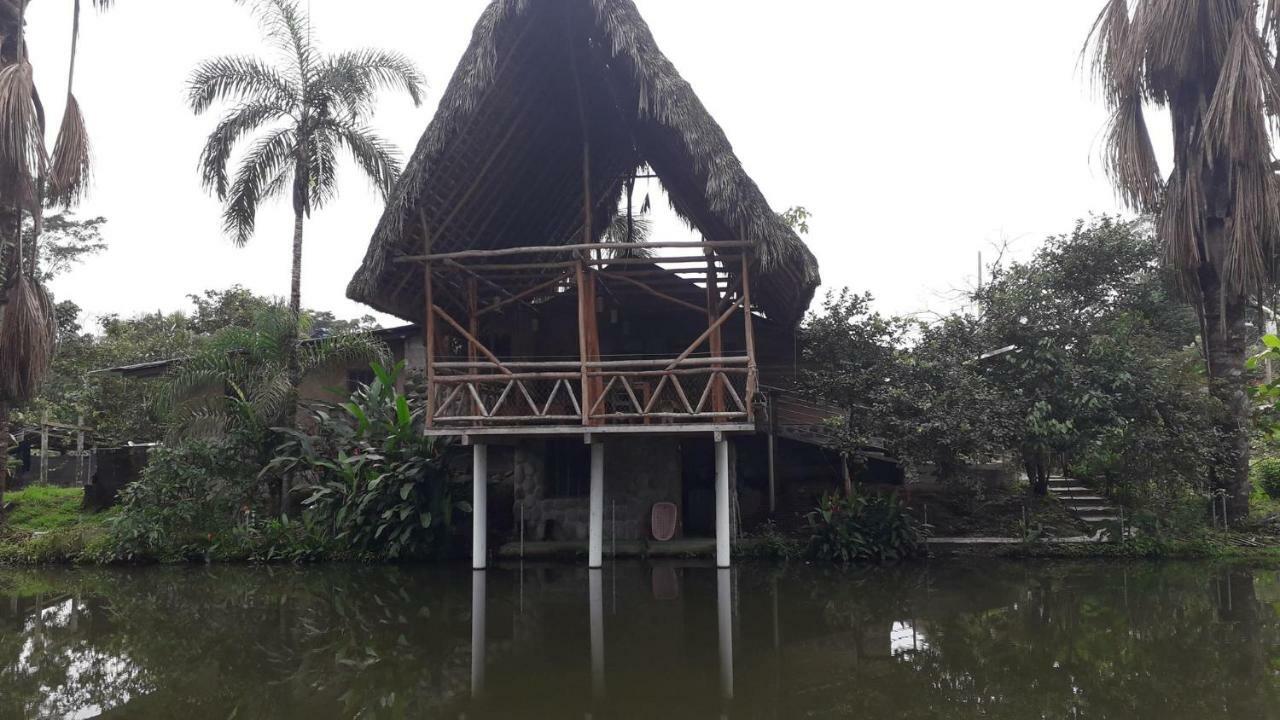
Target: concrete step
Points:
(1080, 500)
(1092, 510)
(1098, 519)
(1071, 489)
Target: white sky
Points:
(918, 133)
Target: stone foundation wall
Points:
(638, 472)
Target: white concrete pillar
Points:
(595, 532)
(596, 583)
(479, 507)
(722, 503)
(724, 609)
(478, 604)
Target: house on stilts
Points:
(588, 373)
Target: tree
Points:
(1212, 65)
(300, 116)
(29, 178)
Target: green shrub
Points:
(1266, 473)
(373, 480)
(188, 495)
(864, 528)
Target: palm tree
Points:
(236, 387)
(300, 115)
(1212, 65)
(241, 384)
(28, 178)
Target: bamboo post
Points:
(473, 326)
(713, 301)
(582, 340)
(429, 331)
(773, 442)
(44, 447)
(753, 370)
(80, 449)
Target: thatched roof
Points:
(501, 164)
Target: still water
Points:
(950, 639)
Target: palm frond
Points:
(1130, 158)
(239, 78)
(287, 27)
(234, 126)
(1114, 65)
(28, 333)
(354, 77)
(70, 166)
(342, 351)
(261, 166)
(22, 151)
(623, 232)
(375, 156)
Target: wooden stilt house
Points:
(602, 372)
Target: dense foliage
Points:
(372, 478)
(1078, 357)
(864, 528)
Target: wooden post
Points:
(44, 447)
(429, 330)
(473, 325)
(717, 346)
(581, 279)
(80, 449)
(753, 370)
(773, 442)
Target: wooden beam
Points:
(582, 336)
(655, 292)
(703, 337)
(470, 338)
(568, 249)
(525, 294)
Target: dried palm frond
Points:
(22, 152)
(1181, 225)
(1236, 122)
(1113, 66)
(69, 166)
(27, 335)
(1130, 158)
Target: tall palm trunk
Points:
(294, 362)
(1226, 346)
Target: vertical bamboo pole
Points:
(773, 444)
(473, 326)
(580, 276)
(80, 449)
(716, 343)
(44, 447)
(429, 328)
(753, 371)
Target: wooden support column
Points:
(581, 281)
(473, 326)
(429, 328)
(773, 443)
(753, 370)
(44, 447)
(716, 342)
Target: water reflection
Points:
(944, 641)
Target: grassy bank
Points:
(46, 524)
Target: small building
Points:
(589, 366)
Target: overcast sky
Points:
(917, 133)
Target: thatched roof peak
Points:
(501, 163)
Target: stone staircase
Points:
(1091, 508)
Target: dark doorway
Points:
(698, 486)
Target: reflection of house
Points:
(592, 373)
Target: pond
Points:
(950, 639)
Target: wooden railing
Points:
(648, 392)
